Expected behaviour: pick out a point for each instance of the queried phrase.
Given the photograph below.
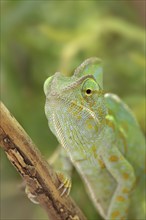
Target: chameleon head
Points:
(76, 101)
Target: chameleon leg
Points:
(63, 166)
(124, 175)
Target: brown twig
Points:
(36, 172)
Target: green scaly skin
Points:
(101, 138)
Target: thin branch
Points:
(35, 171)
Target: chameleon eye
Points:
(89, 87)
(88, 92)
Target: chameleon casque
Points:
(101, 138)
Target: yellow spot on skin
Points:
(125, 176)
(79, 117)
(115, 214)
(110, 123)
(80, 108)
(71, 107)
(120, 199)
(113, 158)
(101, 163)
(89, 125)
(125, 190)
(100, 112)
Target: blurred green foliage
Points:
(41, 37)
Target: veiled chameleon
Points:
(101, 138)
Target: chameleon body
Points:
(101, 138)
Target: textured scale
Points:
(102, 140)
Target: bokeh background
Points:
(39, 38)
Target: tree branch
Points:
(36, 172)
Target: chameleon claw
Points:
(63, 192)
(65, 184)
(31, 196)
(60, 186)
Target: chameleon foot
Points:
(65, 185)
(31, 197)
